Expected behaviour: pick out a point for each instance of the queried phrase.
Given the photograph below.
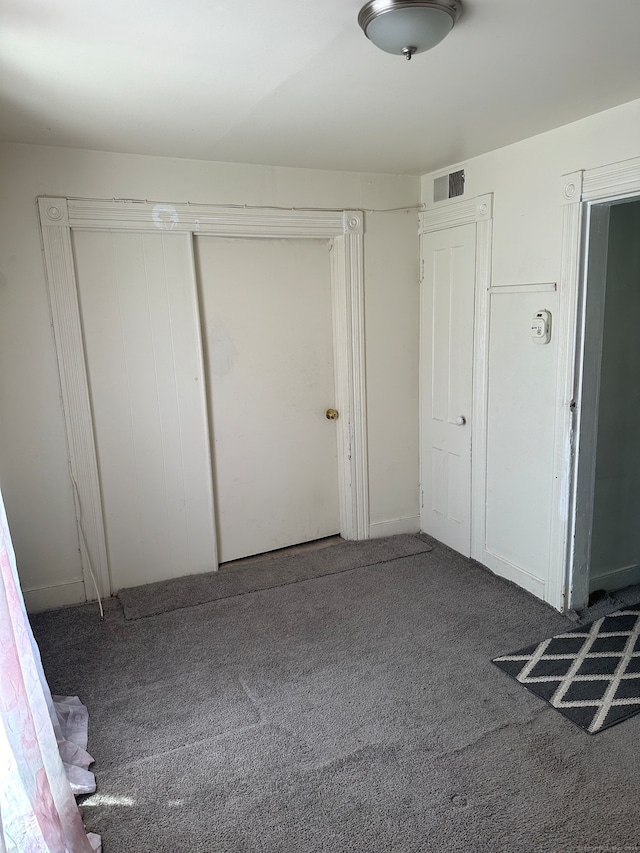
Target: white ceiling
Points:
(296, 83)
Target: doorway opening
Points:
(607, 532)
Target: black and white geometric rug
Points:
(590, 674)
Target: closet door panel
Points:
(141, 332)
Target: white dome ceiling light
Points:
(405, 27)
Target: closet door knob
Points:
(461, 420)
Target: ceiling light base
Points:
(406, 27)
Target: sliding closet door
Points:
(267, 312)
(141, 333)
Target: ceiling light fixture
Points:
(405, 27)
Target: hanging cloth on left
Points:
(43, 757)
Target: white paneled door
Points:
(267, 320)
(139, 310)
(447, 323)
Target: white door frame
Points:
(478, 211)
(569, 577)
(58, 216)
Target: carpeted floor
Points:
(353, 712)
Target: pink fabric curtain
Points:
(38, 811)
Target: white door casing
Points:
(573, 494)
(447, 318)
(477, 214)
(58, 216)
(266, 308)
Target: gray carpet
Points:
(353, 712)
(279, 570)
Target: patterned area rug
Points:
(590, 674)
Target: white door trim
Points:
(58, 216)
(478, 211)
(74, 388)
(569, 586)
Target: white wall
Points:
(33, 453)
(525, 180)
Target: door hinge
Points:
(573, 405)
(421, 271)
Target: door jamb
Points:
(345, 229)
(587, 386)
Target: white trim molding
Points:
(538, 287)
(568, 418)
(569, 587)
(58, 218)
(614, 579)
(567, 323)
(615, 180)
(221, 221)
(566, 330)
(74, 387)
(480, 423)
(411, 524)
(349, 351)
(51, 597)
(455, 213)
(572, 188)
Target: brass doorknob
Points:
(332, 415)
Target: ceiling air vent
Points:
(448, 186)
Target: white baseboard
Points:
(612, 579)
(502, 567)
(394, 527)
(50, 597)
